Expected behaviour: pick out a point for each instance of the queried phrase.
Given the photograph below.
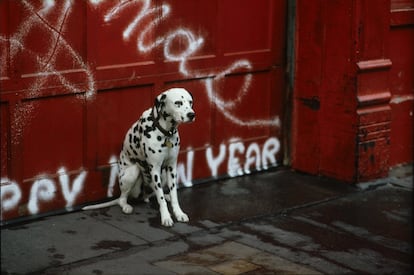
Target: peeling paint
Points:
(401, 99)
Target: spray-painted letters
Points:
(49, 19)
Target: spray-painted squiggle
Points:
(44, 188)
(45, 63)
(193, 44)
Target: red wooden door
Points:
(402, 81)
(76, 74)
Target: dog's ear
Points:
(159, 103)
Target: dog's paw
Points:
(182, 217)
(167, 222)
(127, 209)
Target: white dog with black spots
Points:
(149, 154)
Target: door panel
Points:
(75, 75)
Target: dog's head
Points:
(176, 104)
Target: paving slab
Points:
(128, 264)
(355, 234)
(261, 194)
(232, 258)
(60, 240)
(274, 222)
(143, 222)
(382, 216)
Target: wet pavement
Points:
(276, 222)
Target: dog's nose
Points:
(191, 115)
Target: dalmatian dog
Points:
(149, 154)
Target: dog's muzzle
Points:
(191, 116)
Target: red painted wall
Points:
(401, 43)
(353, 88)
(75, 75)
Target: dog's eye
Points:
(178, 103)
(191, 103)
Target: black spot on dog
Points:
(141, 130)
(155, 178)
(172, 175)
(159, 185)
(159, 138)
(136, 128)
(147, 131)
(145, 151)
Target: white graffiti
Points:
(262, 159)
(40, 19)
(192, 45)
(214, 162)
(70, 195)
(45, 63)
(10, 194)
(241, 159)
(254, 159)
(43, 190)
(51, 20)
(186, 178)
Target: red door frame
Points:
(344, 116)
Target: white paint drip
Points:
(113, 175)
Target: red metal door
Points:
(76, 74)
(402, 81)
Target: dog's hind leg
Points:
(137, 187)
(127, 182)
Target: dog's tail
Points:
(101, 205)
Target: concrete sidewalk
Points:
(268, 223)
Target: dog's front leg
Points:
(156, 185)
(172, 185)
